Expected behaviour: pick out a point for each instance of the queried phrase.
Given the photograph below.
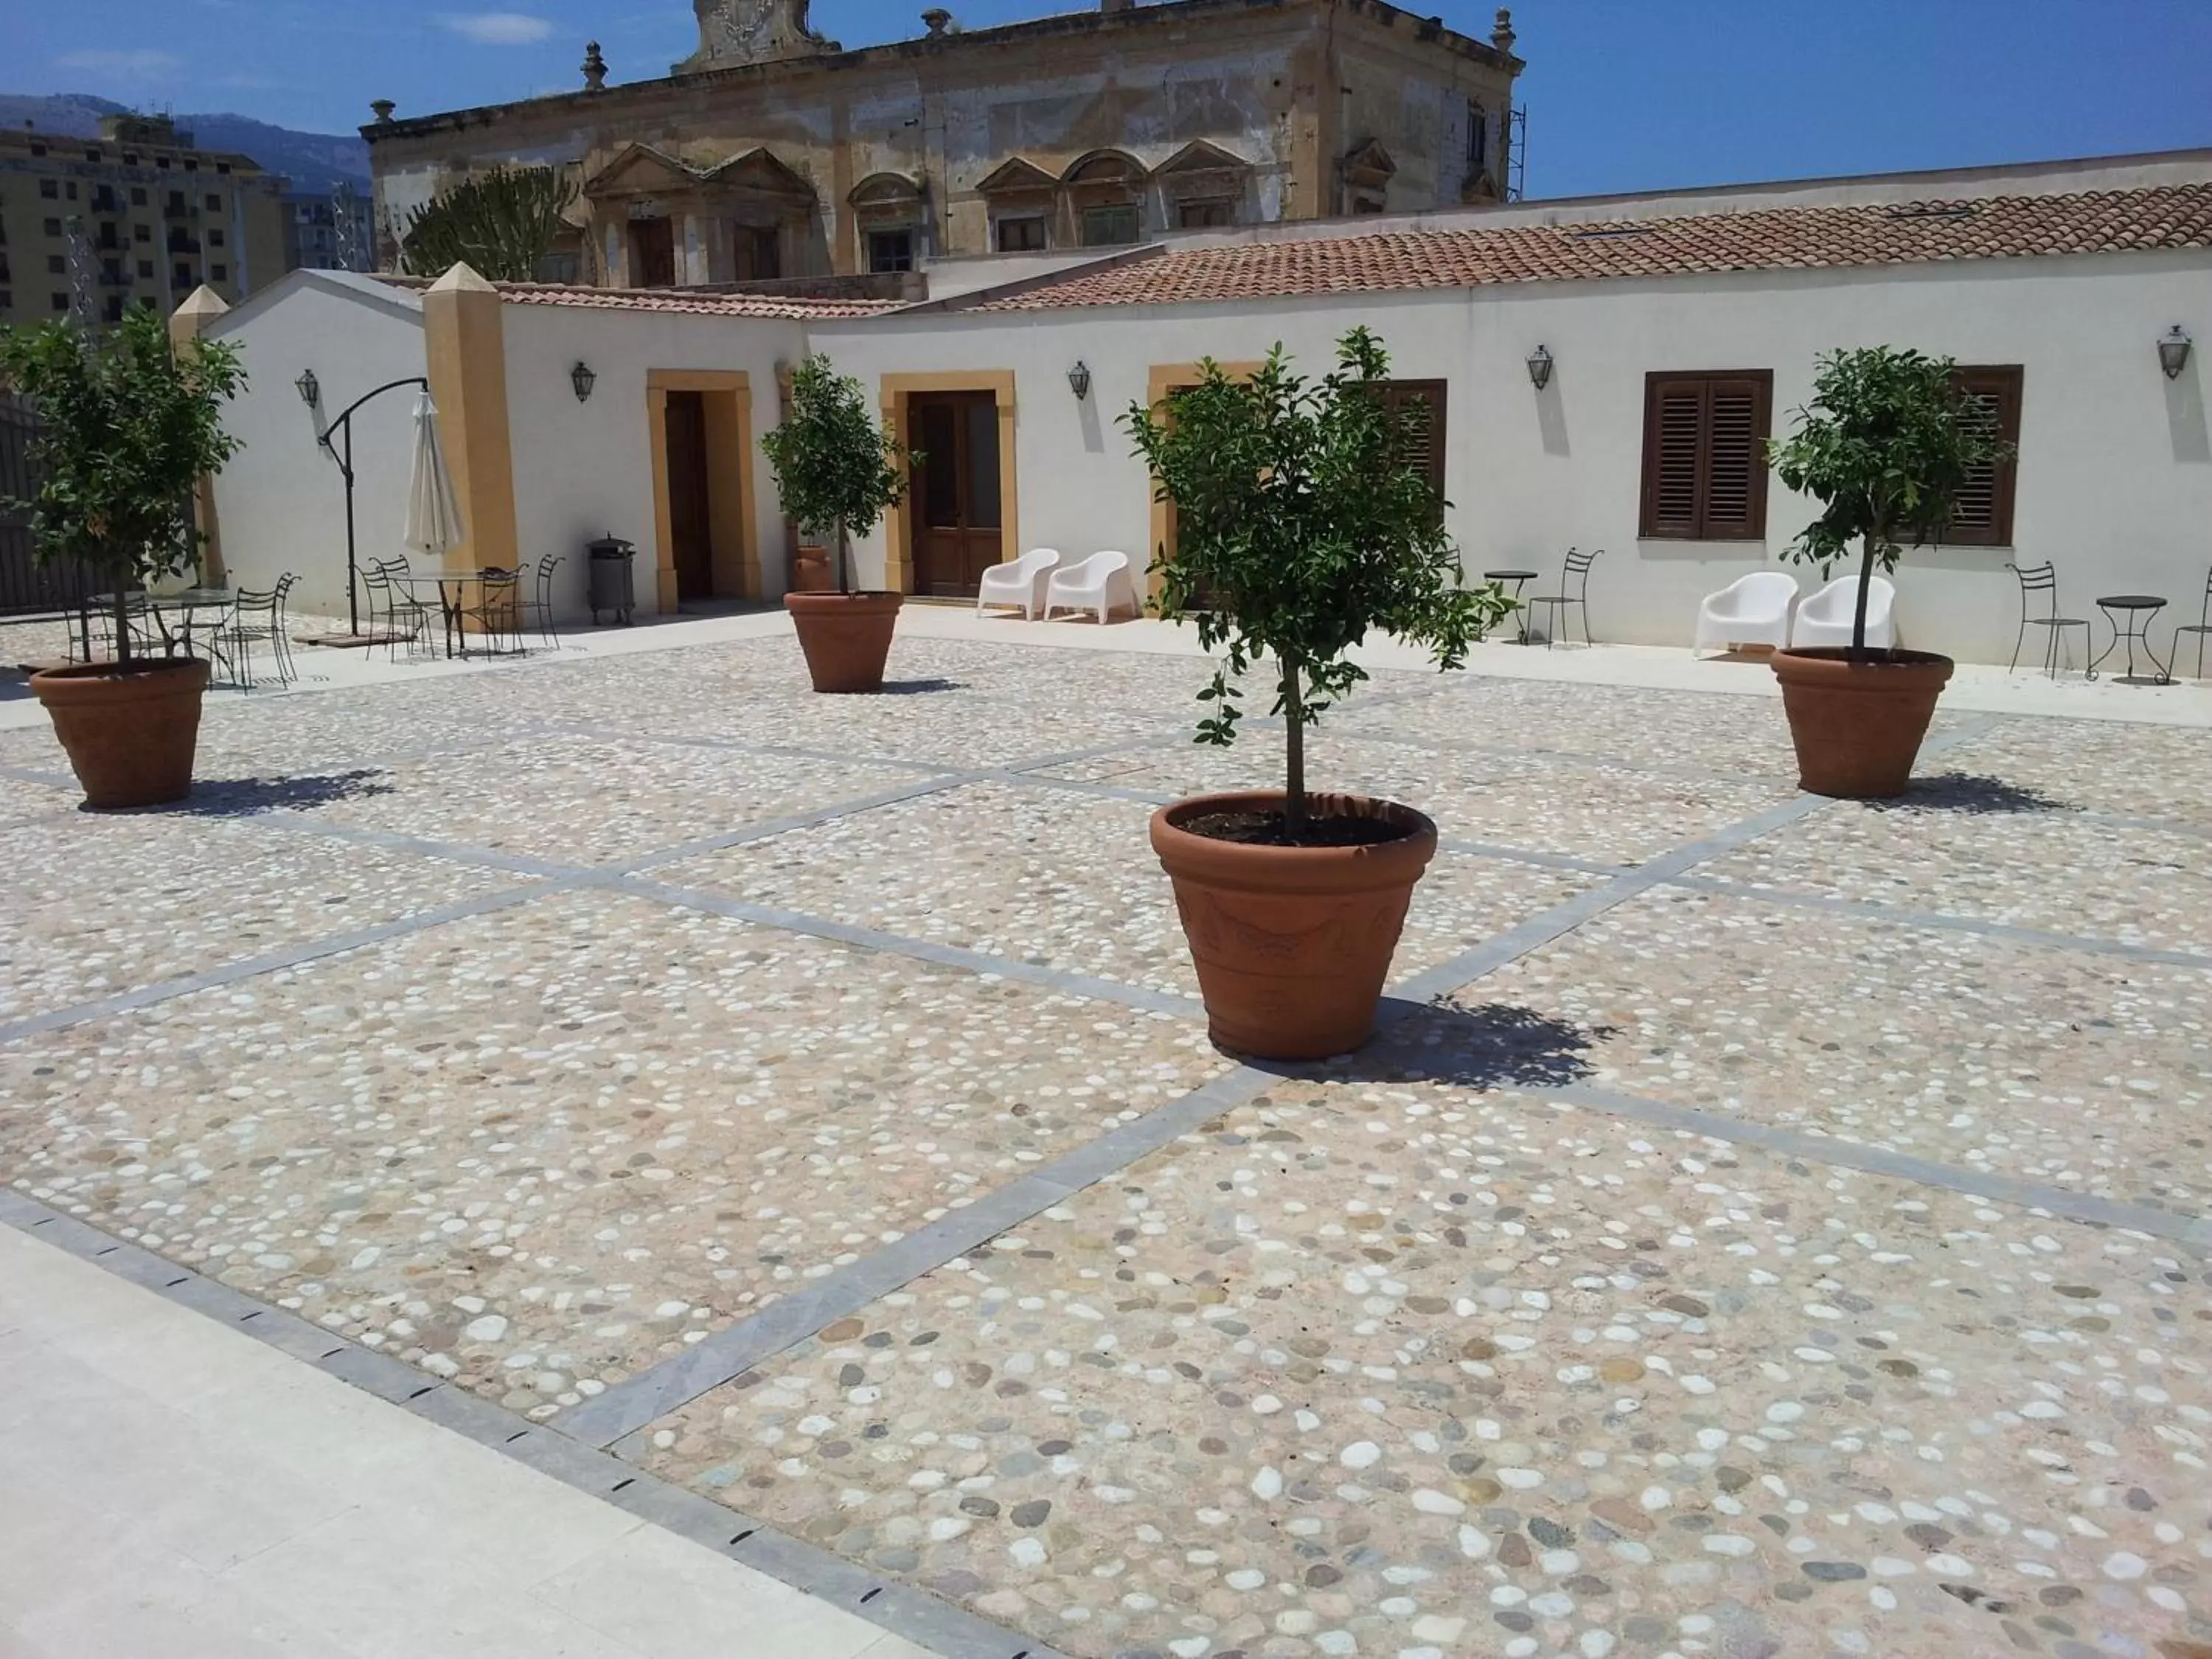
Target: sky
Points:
(1621, 95)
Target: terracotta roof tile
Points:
(1782, 237)
(798, 307)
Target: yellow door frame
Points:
(897, 391)
(733, 536)
(1163, 379)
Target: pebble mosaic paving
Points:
(1413, 1354)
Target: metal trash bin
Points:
(611, 584)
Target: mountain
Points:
(312, 161)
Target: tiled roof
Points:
(1767, 238)
(676, 300)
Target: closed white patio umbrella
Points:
(434, 513)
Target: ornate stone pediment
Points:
(1198, 156)
(642, 170)
(1015, 177)
(1370, 165)
(735, 32)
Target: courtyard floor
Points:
(1765, 1225)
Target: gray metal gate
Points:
(25, 586)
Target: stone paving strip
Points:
(929, 1623)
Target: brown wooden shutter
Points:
(1673, 442)
(1705, 456)
(1735, 506)
(1982, 515)
(1424, 450)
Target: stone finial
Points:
(461, 277)
(595, 68)
(1501, 30)
(382, 108)
(937, 19)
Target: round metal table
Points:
(1520, 579)
(2137, 609)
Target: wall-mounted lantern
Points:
(2173, 352)
(1078, 379)
(309, 388)
(1540, 369)
(582, 379)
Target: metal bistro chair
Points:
(260, 616)
(2043, 578)
(394, 608)
(2201, 628)
(497, 613)
(541, 607)
(92, 638)
(1574, 592)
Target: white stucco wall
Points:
(2115, 471)
(280, 503)
(583, 471)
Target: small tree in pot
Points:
(838, 473)
(127, 427)
(1302, 526)
(1886, 445)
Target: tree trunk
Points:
(1294, 742)
(122, 618)
(844, 559)
(1858, 612)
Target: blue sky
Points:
(1623, 94)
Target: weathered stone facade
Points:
(773, 153)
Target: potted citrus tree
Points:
(1301, 527)
(1886, 446)
(838, 475)
(127, 427)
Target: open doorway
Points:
(652, 253)
(702, 445)
(959, 514)
(958, 526)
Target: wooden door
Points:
(955, 517)
(688, 522)
(652, 251)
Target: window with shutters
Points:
(1425, 433)
(1983, 516)
(1705, 456)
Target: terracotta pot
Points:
(1858, 726)
(810, 571)
(1291, 944)
(846, 637)
(130, 731)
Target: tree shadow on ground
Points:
(238, 798)
(1492, 1045)
(1971, 792)
(914, 688)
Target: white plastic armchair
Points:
(1019, 582)
(1098, 583)
(1825, 618)
(1752, 610)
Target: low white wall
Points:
(280, 501)
(585, 470)
(2115, 472)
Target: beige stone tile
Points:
(1408, 1365)
(540, 1149)
(2076, 1071)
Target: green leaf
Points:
(1302, 527)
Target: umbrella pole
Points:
(353, 603)
(345, 468)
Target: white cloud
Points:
(497, 28)
(142, 65)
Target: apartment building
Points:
(135, 217)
